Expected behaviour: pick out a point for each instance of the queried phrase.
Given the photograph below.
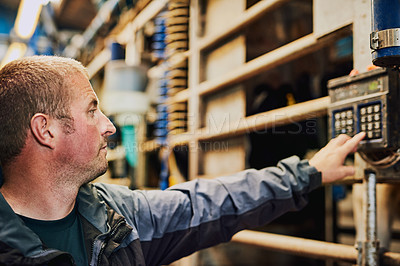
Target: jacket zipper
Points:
(110, 235)
(101, 252)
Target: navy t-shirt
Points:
(65, 234)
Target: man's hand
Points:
(329, 160)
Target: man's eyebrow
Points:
(94, 102)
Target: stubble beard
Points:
(96, 168)
(95, 171)
(88, 172)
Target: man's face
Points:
(84, 148)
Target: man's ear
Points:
(42, 129)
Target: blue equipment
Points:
(385, 36)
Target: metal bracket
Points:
(385, 38)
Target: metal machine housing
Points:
(367, 102)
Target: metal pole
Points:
(298, 246)
(307, 247)
(371, 245)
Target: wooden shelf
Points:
(180, 97)
(262, 121)
(277, 57)
(127, 33)
(289, 52)
(248, 16)
(147, 14)
(98, 62)
(173, 141)
(179, 58)
(157, 71)
(276, 117)
(149, 146)
(180, 139)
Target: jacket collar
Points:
(92, 207)
(14, 233)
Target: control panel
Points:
(367, 102)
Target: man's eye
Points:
(92, 111)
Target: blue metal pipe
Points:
(385, 16)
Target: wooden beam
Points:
(180, 97)
(148, 146)
(128, 16)
(193, 97)
(250, 15)
(279, 56)
(181, 139)
(148, 13)
(98, 62)
(178, 58)
(286, 53)
(258, 122)
(261, 122)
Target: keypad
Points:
(370, 117)
(344, 122)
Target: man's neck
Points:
(37, 196)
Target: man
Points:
(53, 142)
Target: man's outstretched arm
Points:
(193, 215)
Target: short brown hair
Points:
(30, 85)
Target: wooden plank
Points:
(267, 61)
(178, 59)
(181, 139)
(219, 12)
(179, 97)
(149, 146)
(98, 62)
(281, 116)
(193, 96)
(142, 162)
(128, 16)
(225, 58)
(279, 56)
(362, 56)
(225, 106)
(148, 13)
(222, 156)
(247, 17)
(325, 21)
(276, 117)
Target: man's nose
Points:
(108, 127)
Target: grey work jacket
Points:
(125, 227)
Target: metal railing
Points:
(307, 247)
